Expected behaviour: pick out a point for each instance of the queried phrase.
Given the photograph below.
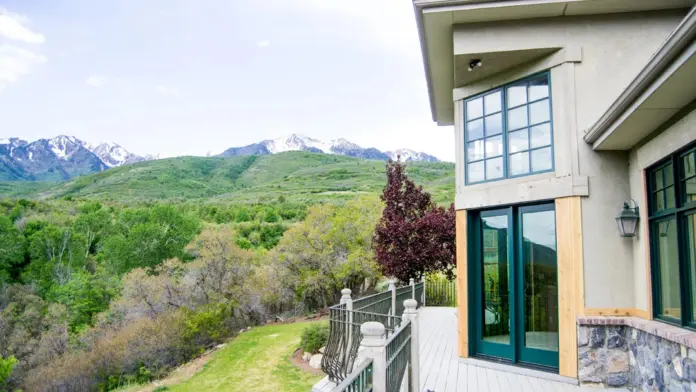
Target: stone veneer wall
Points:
(637, 354)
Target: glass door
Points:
(537, 286)
(493, 286)
(515, 308)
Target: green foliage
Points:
(7, 365)
(293, 176)
(161, 388)
(330, 250)
(147, 236)
(314, 337)
(56, 252)
(12, 249)
(85, 295)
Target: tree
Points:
(92, 225)
(56, 253)
(414, 236)
(12, 248)
(330, 250)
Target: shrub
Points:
(6, 367)
(314, 337)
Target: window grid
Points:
(672, 212)
(509, 158)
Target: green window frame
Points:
(508, 131)
(671, 189)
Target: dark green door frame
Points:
(516, 351)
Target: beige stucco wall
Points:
(649, 152)
(599, 56)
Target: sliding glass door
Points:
(516, 285)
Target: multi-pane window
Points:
(508, 131)
(672, 220)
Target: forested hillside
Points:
(121, 276)
(294, 176)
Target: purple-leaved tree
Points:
(414, 235)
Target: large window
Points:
(672, 216)
(508, 131)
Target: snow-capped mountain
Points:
(114, 155)
(340, 146)
(59, 158)
(407, 155)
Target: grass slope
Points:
(257, 360)
(297, 176)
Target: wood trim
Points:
(646, 241)
(644, 314)
(462, 286)
(571, 299)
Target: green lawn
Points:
(257, 360)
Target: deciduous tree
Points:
(414, 236)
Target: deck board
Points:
(442, 371)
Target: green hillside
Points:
(297, 176)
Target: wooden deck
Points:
(442, 370)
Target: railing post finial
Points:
(345, 297)
(375, 347)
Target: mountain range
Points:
(64, 157)
(296, 142)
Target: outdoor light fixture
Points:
(474, 63)
(627, 220)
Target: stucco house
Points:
(575, 136)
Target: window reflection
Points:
(540, 280)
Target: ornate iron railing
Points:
(344, 339)
(345, 320)
(399, 358)
(358, 381)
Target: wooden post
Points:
(424, 284)
(412, 283)
(374, 346)
(410, 313)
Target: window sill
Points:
(536, 187)
(666, 331)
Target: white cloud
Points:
(15, 62)
(97, 81)
(168, 90)
(12, 26)
(263, 44)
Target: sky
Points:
(194, 77)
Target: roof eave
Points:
(680, 38)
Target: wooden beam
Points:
(571, 299)
(644, 314)
(462, 285)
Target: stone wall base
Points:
(623, 356)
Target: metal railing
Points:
(344, 338)
(399, 358)
(376, 303)
(441, 293)
(358, 381)
(420, 293)
(346, 318)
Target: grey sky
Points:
(195, 76)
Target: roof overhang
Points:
(661, 90)
(436, 18)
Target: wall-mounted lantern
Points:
(627, 220)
